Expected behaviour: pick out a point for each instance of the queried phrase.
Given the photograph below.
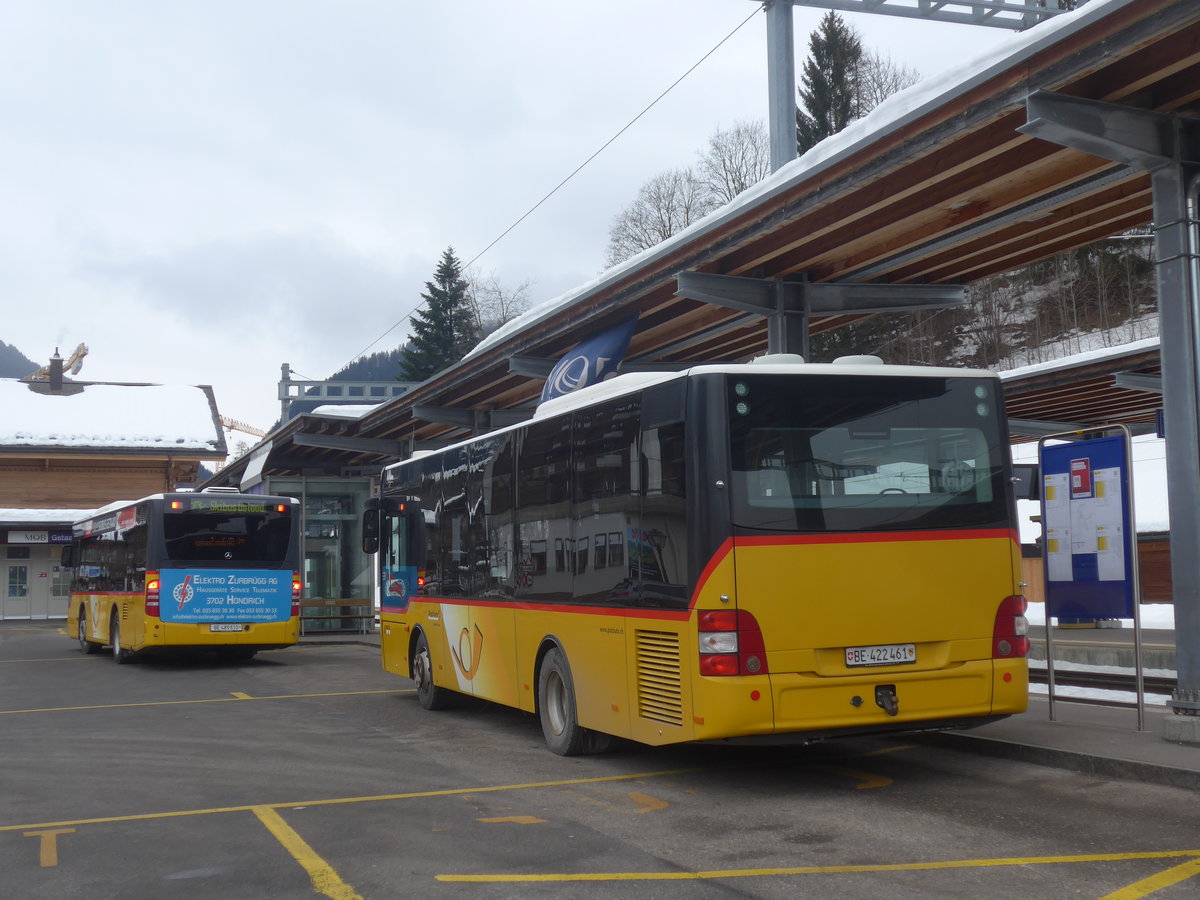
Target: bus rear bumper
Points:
(882, 729)
(256, 636)
(881, 700)
(960, 691)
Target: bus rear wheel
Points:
(119, 654)
(84, 644)
(556, 710)
(429, 694)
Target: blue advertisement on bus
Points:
(215, 595)
(399, 585)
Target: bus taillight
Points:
(152, 591)
(730, 643)
(297, 587)
(1009, 639)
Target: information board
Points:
(1087, 529)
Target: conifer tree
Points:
(828, 88)
(443, 330)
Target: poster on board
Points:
(1088, 532)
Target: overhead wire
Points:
(575, 172)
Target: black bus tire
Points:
(429, 694)
(84, 644)
(119, 654)
(556, 710)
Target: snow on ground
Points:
(1153, 615)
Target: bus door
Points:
(478, 510)
(393, 527)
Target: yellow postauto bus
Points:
(774, 551)
(211, 570)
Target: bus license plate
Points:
(881, 655)
(225, 626)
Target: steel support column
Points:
(1168, 146)
(781, 82)
(1175, 230)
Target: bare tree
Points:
(734, 159)
(492, 304)
(877, 77)
(665, 205)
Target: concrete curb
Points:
(1084, 763)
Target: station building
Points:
(68, 447)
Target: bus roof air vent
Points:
(220, 489)
(858, 361)
(778, 359)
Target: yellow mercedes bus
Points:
(212, 570)
(769, 551)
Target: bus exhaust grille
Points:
(659, 687)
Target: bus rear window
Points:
(210, 535)
(849, 454)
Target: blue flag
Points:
(590, 362)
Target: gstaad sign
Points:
(39, 537)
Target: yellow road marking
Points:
(1148, 886)
(325, 879)
(820, 870)
(340, 801)
(647, 803)
(48, 848)
(47, 659)
(865, 779)
(514, 820)
(240, 696)
(231, 699)
(885, 750)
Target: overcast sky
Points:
(202, 191)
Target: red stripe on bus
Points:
(878, 537)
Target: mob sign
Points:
(40, 537)
(1087, 528)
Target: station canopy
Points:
(936, 187)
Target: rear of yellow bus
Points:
(227, 573)
(190, 571)
(861, 563)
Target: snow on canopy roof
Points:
(113, 416)
(897, 110)
(343, 410)
(43, 516)
(1078, 359)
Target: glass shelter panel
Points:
(338, 579)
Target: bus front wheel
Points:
(429, 694)
(557, 712)
(84, 644)
(120, 654)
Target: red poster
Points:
(1081, 479)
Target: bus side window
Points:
(658, 550)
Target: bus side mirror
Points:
(67, 558)
(370, 527)
(1027, 481)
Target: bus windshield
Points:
(866, 454)
(245, 532)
